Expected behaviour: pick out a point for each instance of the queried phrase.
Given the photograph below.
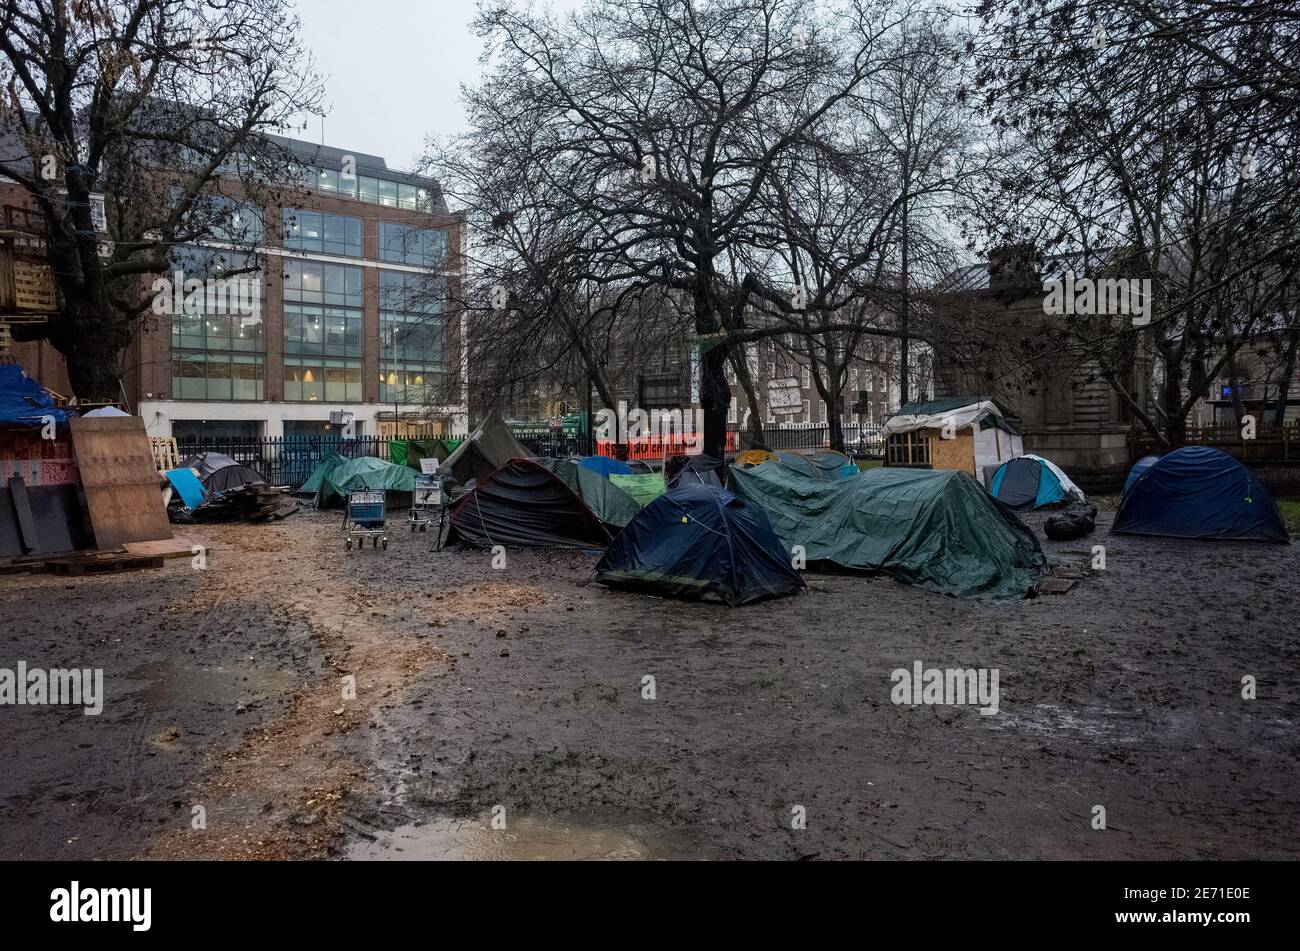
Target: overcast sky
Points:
(393, 70)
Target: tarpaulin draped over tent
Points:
(703, 543)
(821, 464)
(219, 473)
(1031, 481)
(25, 402)
(487, 449)
(525, 504)
(955, 412)
(935, 528)
(335, 477)
(644, 488)
(1199, 492)
(608, 502)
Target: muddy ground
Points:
(517, 693)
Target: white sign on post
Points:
(429, 465)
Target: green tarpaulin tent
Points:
(607, 502)
(336, 476)
(409, 452)
(487, 449)
(935, 528)
(643, 487)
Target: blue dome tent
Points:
(605, 466)
(1031, 481)
(1199, 492)
(1139, 467)
(702, 543)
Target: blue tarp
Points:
(1139, 467)
(702, 543)
(187, 486)
(24, 401)
(1199, 492)
(604, 465)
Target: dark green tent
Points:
(335, 477)
(935, 528)
(486, 449)
(607, 502)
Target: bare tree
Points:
(158, 105)
(1158, 143)
(649, 135)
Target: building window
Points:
(660, 392)
(216, 326)
(198, 430)
(221, 218)
(411, 337)
(312, 282)
(405, 244)
(315, 379)
(217, 376)
(322, 233)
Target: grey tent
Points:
(486, 450)
(219, 473)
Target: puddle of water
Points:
(1096, 723)
(526, 839)
(166, 685)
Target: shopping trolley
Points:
(365, 519)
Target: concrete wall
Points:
(1096, 458)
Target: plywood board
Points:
(120, 480)
(168, 548)
(955, 453)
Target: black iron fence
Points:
(858, 440)
(289, 460)
(285, 460)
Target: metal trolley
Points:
(365, 518)
(426, 501)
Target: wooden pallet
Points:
(165, 455)
(77, 565)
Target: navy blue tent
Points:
(702, 543)
(24, 401)
(1199, 492)
(1139, 467)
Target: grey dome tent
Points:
(219, 473)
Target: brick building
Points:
(348, 312)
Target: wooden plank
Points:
(166, 548)
(100, 564)
(120, 480)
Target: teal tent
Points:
(607, 502)
(335, 477)
(935, 528)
